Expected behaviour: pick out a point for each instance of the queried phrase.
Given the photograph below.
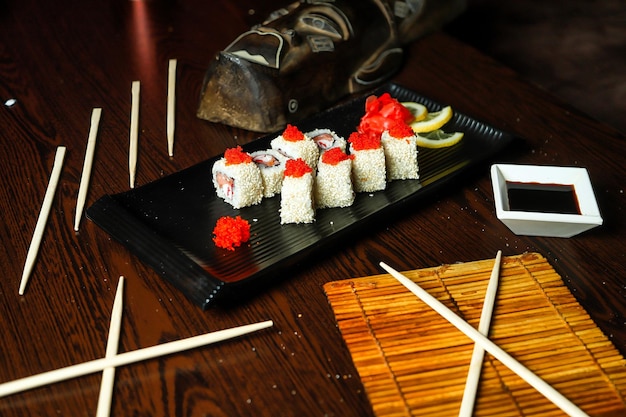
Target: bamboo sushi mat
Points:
(412, 362)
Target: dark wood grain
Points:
(60, 59)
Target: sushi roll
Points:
(368, 165)
(327, 139)
(296, 200)
(294, 144)
(400, 146)
(333, 183)
(237, 179)
(271, 163)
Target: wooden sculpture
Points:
(308, 55)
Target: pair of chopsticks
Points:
(134, 119)
(112, 359)
(483, 343)
(35, 243)
(33, 249)
(44, 213)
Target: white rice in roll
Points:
(400, 146)
(333, 183)
(296, 199)
(368, 165)
(271, 163)
(237, 179)
(294, 144)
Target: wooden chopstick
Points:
(85, 368)
(35, 243)
(108, 374)
(84, 179)
(478, 354)
(539, 384)
(171, 104)
(134, 132)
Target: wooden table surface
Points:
(61, 59)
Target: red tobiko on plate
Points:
(334, 156)
(292, 134)
(364, 141)
(231, 232)
(296, 168)
(400, 129)
(236, 156)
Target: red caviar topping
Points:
(364, 141)
(296, 168)
(400, 130)
(231, 232)
(292, 134)
(335, 155)
(236, 156)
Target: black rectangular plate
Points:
(168, 223)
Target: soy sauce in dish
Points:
(544, 198)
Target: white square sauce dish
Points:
(548, 201)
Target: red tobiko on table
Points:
(231, 232)
(381, 112)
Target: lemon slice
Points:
(433, 120)
(419, 111)
(438, 139)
